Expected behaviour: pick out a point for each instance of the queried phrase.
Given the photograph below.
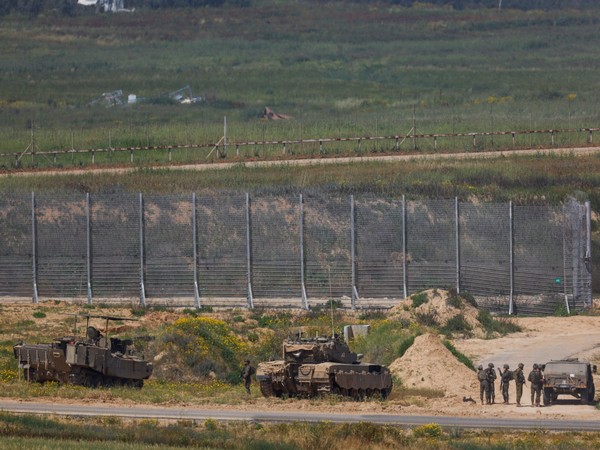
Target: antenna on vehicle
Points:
(332, 327)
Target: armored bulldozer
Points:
(322, 366)
(93, 360)
(570, 377)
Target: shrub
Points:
(492, 325)
(419, 299)
(427, 318)
(405, 344)
(39, 314)
(457, 324)
(431, 430)
(205, 345)
(469, 299)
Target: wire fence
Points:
(471, 141)
(293, 251)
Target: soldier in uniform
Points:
(505, 378)
(537, 380)
(247, 373)
(519, 381)
(491, 378)
(482, 377)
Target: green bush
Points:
(457, 324)
(419, 299)
(39, 314)
(493, 325)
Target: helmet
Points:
(521, 365)
(480, 367)
(506, 366)
(535, 366)
(247, 361)
(491, 365)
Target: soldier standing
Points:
(482, 377)
(519, 381)
(491, 378)
(247, 373)
(505, 378)
(536, 379)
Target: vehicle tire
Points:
(548, 396)
(584, 393)
(266, 389)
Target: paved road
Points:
(295, 416)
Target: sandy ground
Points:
(427, 364)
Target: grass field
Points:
(339, 70)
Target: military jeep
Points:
(568, 377)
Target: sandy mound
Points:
(439, 309)
(429, 364)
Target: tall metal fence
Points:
(294, 251)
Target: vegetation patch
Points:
(460, 356)
(493, 325)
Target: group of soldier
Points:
(487, 379)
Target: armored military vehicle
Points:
(93, 360)
(570, 376)
(322, 366)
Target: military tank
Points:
(322, 365)
(92, 361)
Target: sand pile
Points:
(429, 364)
(437, 307)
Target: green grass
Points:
(25, 431)
(339, 70)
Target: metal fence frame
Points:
(456, 241)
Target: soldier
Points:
(482, 377)
(491, 378)
(505, 378)
(247, 373)
(536, 379)
(519, 381)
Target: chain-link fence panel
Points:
(61, 236)
(431, 244)
(538, 259)
(275, 237)
(577, 257)
(115, 243)
(379, 249)
(485, 247)
(16, 264)
(222, 246)
(169, 251)
(328, 270)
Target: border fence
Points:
(223, 147)
(292, 250)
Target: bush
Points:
(457, 324)
(419, 299)
(492, 325)
(430, 430)
(39, 314)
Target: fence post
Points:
(457, 238)
(141, 232)
(353, 251)
(566, 220)
(513, 139)
(301, 232)
(88, 247)
(249, 253)
(195, 251)
(34, 249)
(511, 259)
(552, 135)
(404, 275)
(590, 140)
(588, 250)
